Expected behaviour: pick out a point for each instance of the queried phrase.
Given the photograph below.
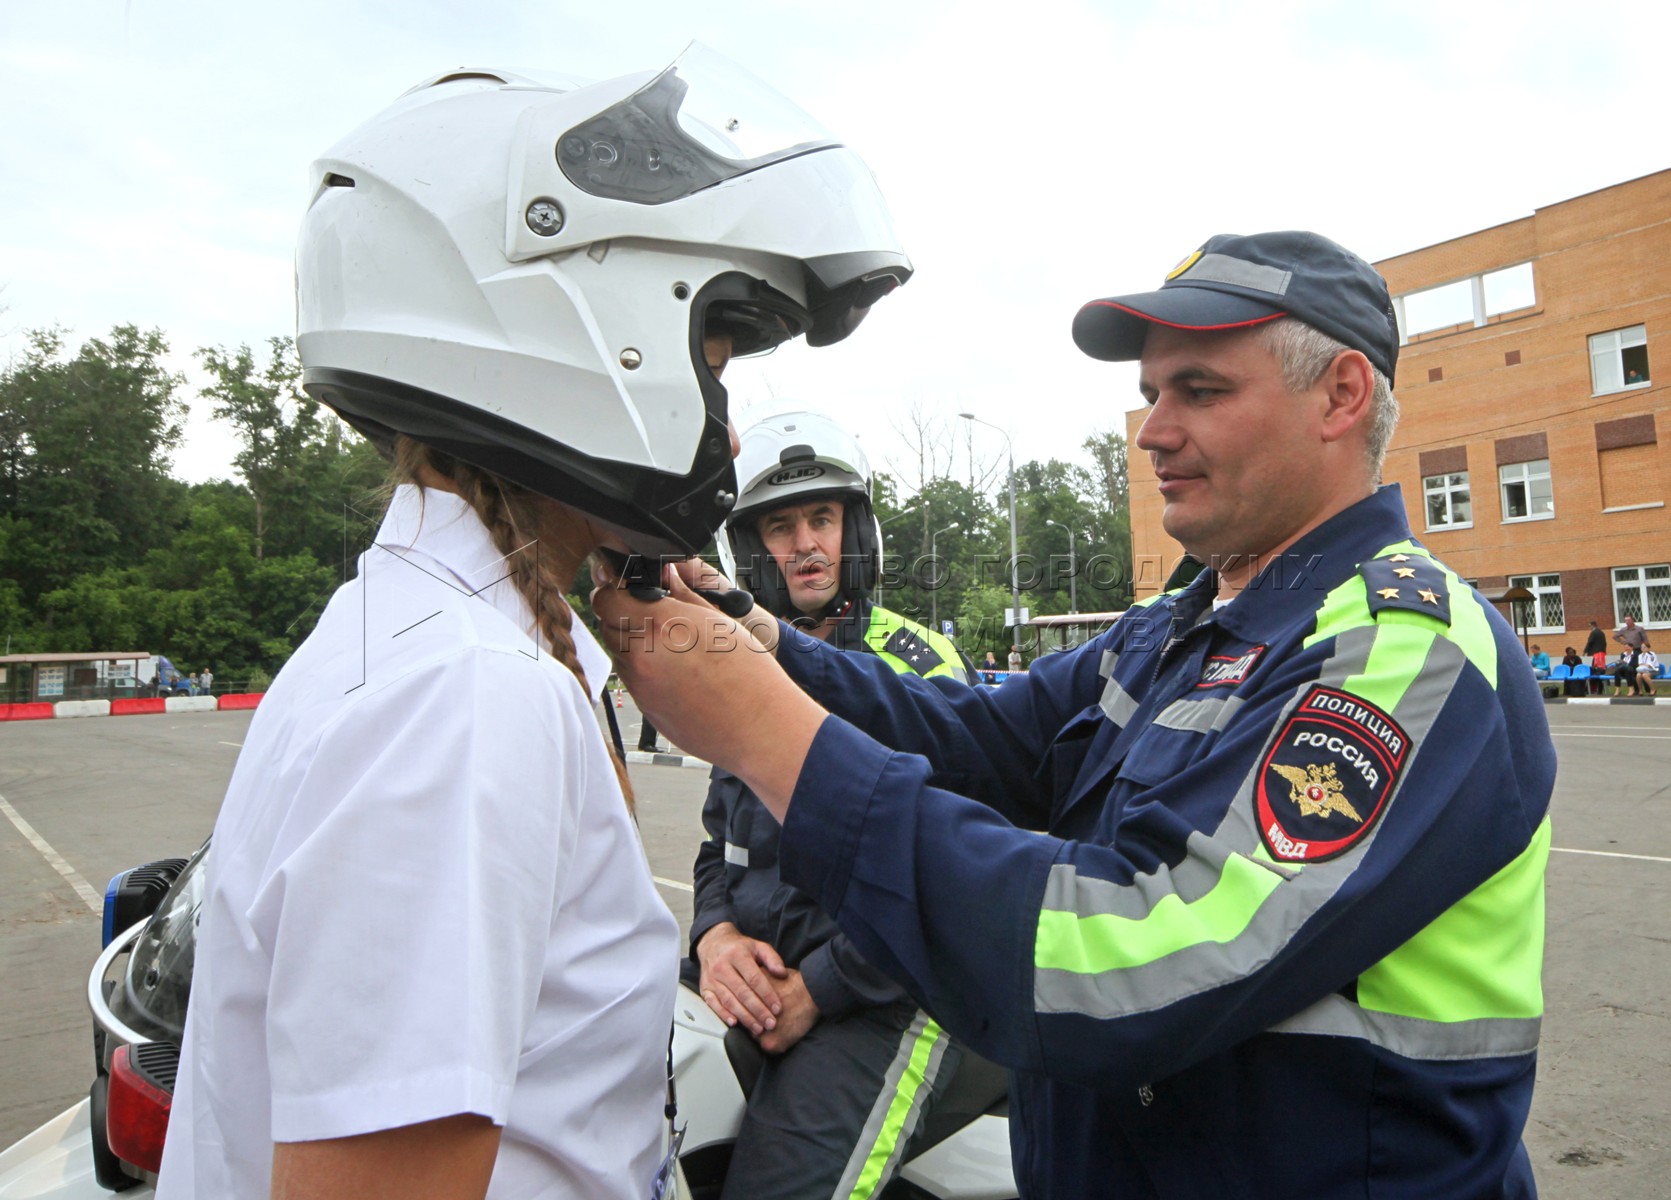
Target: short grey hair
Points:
(1304, 353)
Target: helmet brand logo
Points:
(795, 475)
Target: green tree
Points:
(85, 446)
(306, 473)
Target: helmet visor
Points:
(700, 122)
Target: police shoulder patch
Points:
(1408, 582)
(1325, 780)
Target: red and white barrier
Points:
(189, 704)
(135, 705)
(132, 706)
(26, 712)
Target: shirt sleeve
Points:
(841, 981)
(712, 900)
(410, 913)
(1113, 964)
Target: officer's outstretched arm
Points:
(985, 743)
(1212, 912)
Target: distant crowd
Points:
(1635, 667)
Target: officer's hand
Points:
(698, 573)
(800, 1013)
(692, 670)
(736, 978)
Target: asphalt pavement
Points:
(84, 799)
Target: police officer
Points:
(1282, 932)
(855, 1065)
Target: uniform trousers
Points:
(837, 1113)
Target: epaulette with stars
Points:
(1407, 582)
(905, 644)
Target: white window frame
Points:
(1525, 473)
(1440, 485)
(1638, 580)
(1480, 308)
(1542, 588)
(1609, 348)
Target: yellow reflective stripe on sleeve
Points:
(1396, 658)
(1481, 958)
(1087, 945)
(1347, 607)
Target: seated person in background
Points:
(1569, 660)
(1624, 672)
(1540, 661)
(827, 1109)
(1647, 666)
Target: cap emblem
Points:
(1183, 266)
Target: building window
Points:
(1472, 301)
(1619, 359)
(1448, 505)
(1548, 614)
(1528, 494)
(1643, 593)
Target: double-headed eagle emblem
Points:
(1317, 790)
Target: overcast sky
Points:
(153, 155)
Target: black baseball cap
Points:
(1233, 281)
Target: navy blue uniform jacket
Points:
(1250, 900)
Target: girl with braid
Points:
(430, 959)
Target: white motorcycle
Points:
(141, 981)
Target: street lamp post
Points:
(1015, 559)
(934, 592)
(1073, 568)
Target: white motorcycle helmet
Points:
(521, 273)
(794, 458)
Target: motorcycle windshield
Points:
(157, 985)
(700, 122)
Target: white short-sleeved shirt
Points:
(426, 896)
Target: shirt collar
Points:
(1294, 584)
(442, 527)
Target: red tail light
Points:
(141, 1095)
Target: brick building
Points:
(1533, 381)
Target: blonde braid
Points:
(540, 542)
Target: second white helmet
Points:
(793, 458)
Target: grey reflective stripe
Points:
(1411, 1037)
(1106, 667)
(1199, 716)
(736, 855)
(1197, 968)
(1221, 268)
(1117, 704)
(878, 1136)
(1189, 881)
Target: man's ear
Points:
(1349, 386)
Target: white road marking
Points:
(54, 859)
(232, 743)
(673, 883)
(1611, 854)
